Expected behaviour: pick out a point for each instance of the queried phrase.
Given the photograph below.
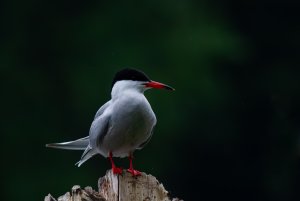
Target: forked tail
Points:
(80, 144)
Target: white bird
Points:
(123, 124)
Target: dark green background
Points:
(230, 131)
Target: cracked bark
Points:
(119, 188)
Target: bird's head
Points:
(129, 78)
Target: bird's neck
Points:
(122, 88)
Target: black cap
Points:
(130, 74)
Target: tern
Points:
(123, 124)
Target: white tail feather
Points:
(80, 144)
(87, 154)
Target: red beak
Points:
(157, 85)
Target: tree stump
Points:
(119, 188)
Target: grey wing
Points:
(101, 110)
(99, 129)
(146, 141)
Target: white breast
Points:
(131, 123)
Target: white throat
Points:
(125, 86)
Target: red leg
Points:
(115, 169)
(131, 170)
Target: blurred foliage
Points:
(229, 131)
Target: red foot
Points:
(117, 170)
(134, 173)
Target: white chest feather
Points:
(131, 124)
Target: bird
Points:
(123, 124)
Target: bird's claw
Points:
(134, 173)
(117, 170)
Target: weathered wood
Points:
(119, 188)
(78, 194)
